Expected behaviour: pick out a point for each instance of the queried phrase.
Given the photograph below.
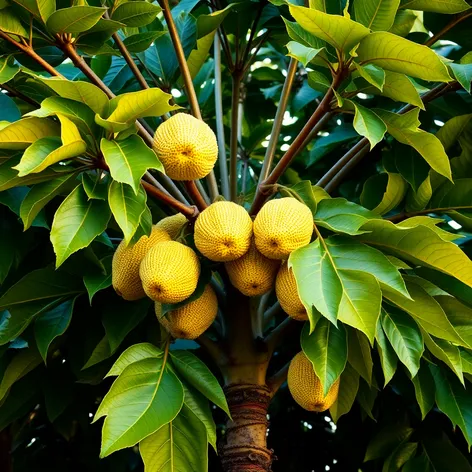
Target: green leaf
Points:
(419, 245)
(339, 31)
(41, 9)
(466, 358)
(326, 347)
(388, 358)
(359, 355)
(136, 13)
(19, 366)
(77, 223)
(413, 168)
(404, 21)
(7, 69)
(399, 457)
(424, 390)
(207, 24)
(454, 401)
(443, 457)
(141, 41)
(298, 34)
(303, 191)
(134, 353)
(430, 223)
(129, 159)
(458, 314)
(386, 440)
(128, 107)
(197, 374)
(48, 151)
(200, 54)
(10, 23)
(96, 282)
(391, 52)
(20, 134)
(373, 74)
(51, 324)
(146, 396)
(10, 112)
(400, 88)
(405, 130)
(79, 91)
(348, 386)
(438, 6)
(74, 19)
(377, 15)
(417, 201)
(95, 184)
(302, 53)
(463, 74)
(457, 194)
(366, 397)
(405, 338)
(179, 445)
(383, 192)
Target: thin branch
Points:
(279, 116)
(259, 316)
(285, 328)
(195, 195)
(262, 4)
(258, 46)
(455, 21)
(233, 170)
(220, 133)
(270, 314)
(152, 180)
(202, 192)
(19, 95)
(277, 380)
(212, 347)
(405, 215)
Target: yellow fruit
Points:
(169, 272)
(172, 224)
(287, 294)
(186, 147)
(282, 225)
(305, 386)
(192, 319)
(252, 274)
(126, 261)
(223, 231)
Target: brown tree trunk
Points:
(244, 446)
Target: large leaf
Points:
(74, 19)
(139, 13)
(378, 15)
(77, 222)
(129, 159)
(442, 456)
(400, 88)
(199, 55)
(339, 31)
(141, 41)
(180, 445)
(405, 338)
(10, 23)
(326, 347)
(439, 6)
(383, 192)
(41, 9)
(197, 374)
(391, 52)
(134, 353)
(20, 134)
(348, 386)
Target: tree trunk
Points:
(244, 446)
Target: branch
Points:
(455, 21)
(212, 347)
(277, 380)
(233, 169)
(271, 312)
(279, 116)
(405, 215)
(19, 95)
(195, 195)
(273, 339)
(253, 32)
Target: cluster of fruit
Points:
(254, 253)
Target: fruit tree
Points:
(235, 236)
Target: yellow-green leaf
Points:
(7, 69)
(400, 88)
(378, 15)
(10, 23)
(74, 19)
(22, 133)
(438, 6)
(383, 192)
(373, 74)
(199, 55)
(41, 9)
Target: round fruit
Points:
(172, 224)
(192, 319)
(287, 294)
(305, 386)
(252, 274)
(282, 225)
(169, 272)
(126, 260)
(186, 146)
(223, 231)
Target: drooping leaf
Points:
(424, 390)
(463, 74)
(377, 15)
(383, 192)
(21, 134)
(386, 440)
(348, 386)
(359, 355)
(442, 456)
(388, 358)
(373, 74)
(100, 281)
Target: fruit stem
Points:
(233, 171)
(195, 195)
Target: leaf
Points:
(200, 54)
(141, 41)
(400, 88)
(74, 19)
(373, 74)
(326, 347)
(348, 386)
(298, 34)
(454, 401)
(428, 145)
(178, 445)
(439, 6)
(391, 52)
(413, 168)
(20, 134)
(128, 107)
(302, 53)
(458, 314)
(197, 374)
(302, 190)
(453, 130)
(7, 69)
(79, 91)
(463, 74)
(146, 396)
(404, 21)
(48, 151)
(383, 192)
(138, 13)
(450, 195)
(386, 440)
(388, 358)
(419, 245)
(339, 31)
(359, 354)
(20, 365)
(10, 112)
(399, 457)
(51, 324)
(41, 9)
(424, 390)
(10, 23)
(366, 397)
(96, 282)
(377, 15)
(207, 24)
(134, 353)
(129, 159)
(443, 457)
(77, 223)
(327, 144)
(405, 338)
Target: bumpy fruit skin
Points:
(186, 147)
(192, 319)
(282, 225)
(126, 261)
(172, 224)
(306, 388)
(169, 272)
(223, 231)
(252, 274)
(287, 294)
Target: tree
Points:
(386, 281)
